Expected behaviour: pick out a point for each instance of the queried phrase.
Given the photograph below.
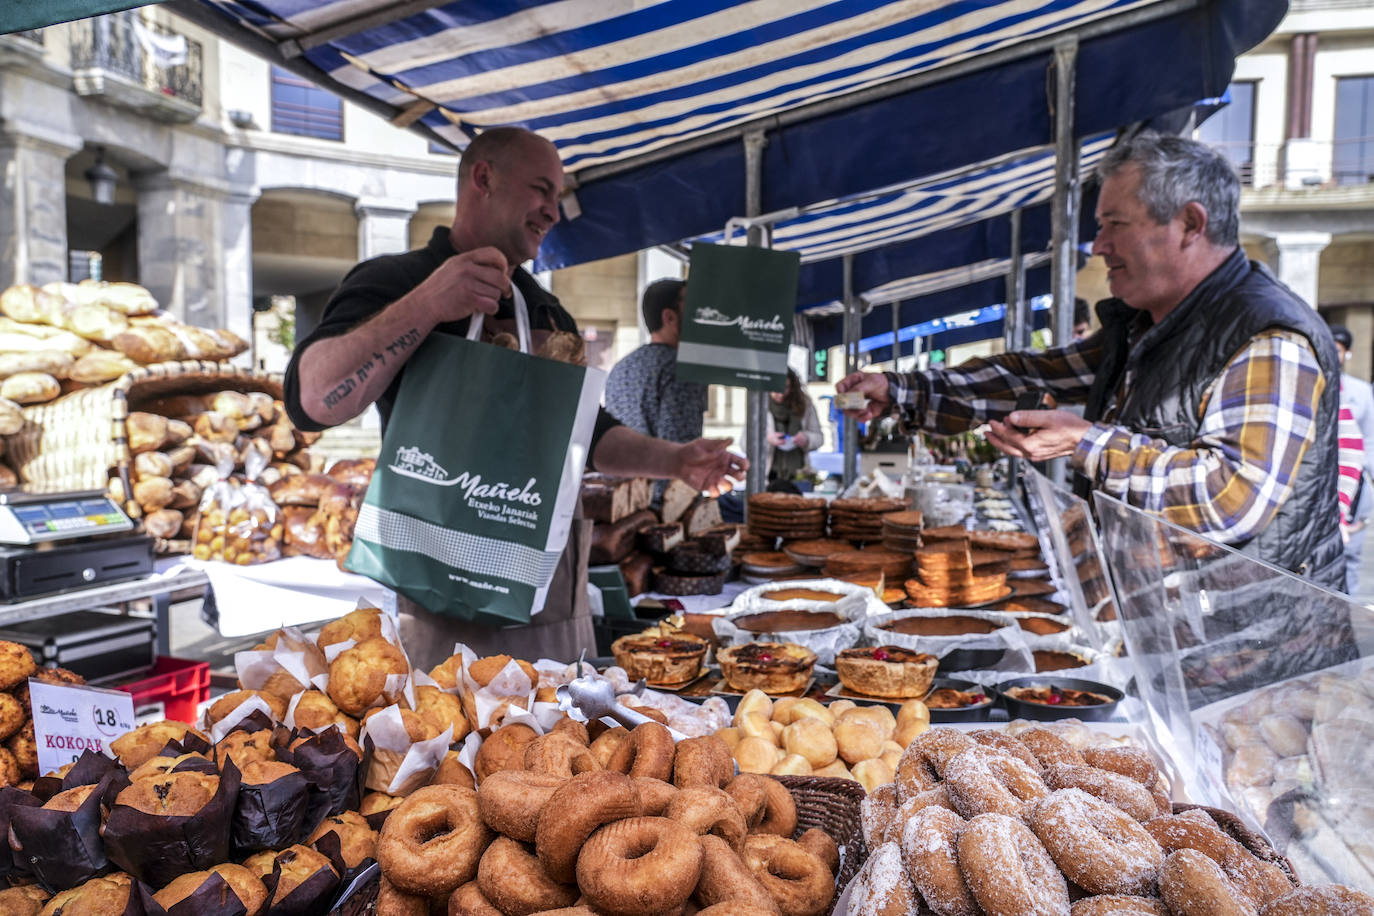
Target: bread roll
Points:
(101, 366)
(185, 495)
(152, 464)
(181, 456)
(153, 493)
(8, 479)
(282, 438)
(263, 405)
(214, 426)
(178, 431)
(202, 475)
(11, 418)
(164, 523)
(147, 431)
(57, 363)
(301, 490)
(30, 388)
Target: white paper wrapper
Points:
(487, 706)
(548, 714)
(398, 766)
(289, 720)
(296, 654)
(238, 714)
(859, 601)
(1008, 637)
(397, 687)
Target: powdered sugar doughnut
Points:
(1048, 747)
(1258, 882)
(1098, 846)
(936, 796)
(1193, 885)
(878, 816)
(923, 763)
(929, 846)
(1008, 870)
(1113, 788)
(1007, 744)
(983, 781)
(1320, 900)
(1128, 761)
(1119, 905)
(882, 888)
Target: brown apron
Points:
(560, 631)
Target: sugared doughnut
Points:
(559, 755)
(654, 795)
(983, 781)
(1128, 761)
(504, 749)
(923, 762)
(938, 796)
(1098, 846)
(1258, 882)
(432, 841)
(573, 729)
(882, 887)
(725, 878)
(640, 866)
(1007, 869)
(511, 877)
(1048, 747)
(706, 809)
(575, 809)
(392, 901)
(1119, 905)
(1113, 788)
(821, 845)
(510, 801)
(1193, 885)
(735, 909)
(648, 751)
(1159, 791)
(1007, 744)
(766, 804)
(603, 747)
(1320, 900)
(799, 883)
(468, 900)
(878, 816)
(704, 761)
(929, 846)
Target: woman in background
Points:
(793, 430)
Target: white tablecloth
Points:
(292, 592)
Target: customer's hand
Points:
(872, 385)
(707, 465)
(1053, 433)
(776, 438)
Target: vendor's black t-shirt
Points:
(374, 284)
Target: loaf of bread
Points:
(30, 388)
(356, 472)
(185, 495)
(149, 344)
(677, 499)
(164, 523)
(11, 417)
(94, 321)
(213, 426)
(57, 363)
(152, 464)
(301, 489)
(147, 431)
(638, 572)
(660, 538)
(153, 493)
(703, 514)
(100, 366)
(304, 533)
(612, 542)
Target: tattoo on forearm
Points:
(341, 391)
(404, 342)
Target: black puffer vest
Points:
(1172, 366)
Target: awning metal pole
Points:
(1064, 212)
(896, 326)
(1016, 326)
(756, 404)
(851, 364)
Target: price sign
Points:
(70, 720)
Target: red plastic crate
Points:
(179, 684)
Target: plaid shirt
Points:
(1257, 421)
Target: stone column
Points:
(383, 227)
(236, 239)
(1299, 260)
(179, 247)
(33, 208)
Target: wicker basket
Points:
(75, 441)
(831, 804)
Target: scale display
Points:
(55, 518)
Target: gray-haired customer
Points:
(1211, 391)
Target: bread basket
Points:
(75, 441)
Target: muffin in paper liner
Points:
(295, 662)
(12, 799)
(309, 897)
(157, 848)
(276, 814)
(398, 687)
(487, 707)
(330, 765)
(133, 904)
(214, 897)
(399, 766)
(88, 770)
(62, 848)
(250, 715)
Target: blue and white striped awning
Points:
(647, 100)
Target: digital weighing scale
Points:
(57, 541)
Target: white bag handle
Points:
(522, 321)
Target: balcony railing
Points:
(112, 45)
(1303, 163)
